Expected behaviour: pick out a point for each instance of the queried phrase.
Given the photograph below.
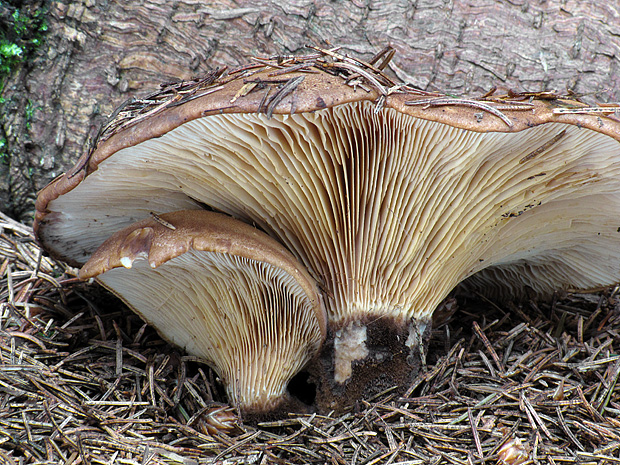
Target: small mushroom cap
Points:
(223, 291)
(388, 195)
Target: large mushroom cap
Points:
(223, 291)
(388, 195)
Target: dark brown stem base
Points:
(393, 357)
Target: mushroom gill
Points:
(389, 212)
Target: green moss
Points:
(22, 29)
(4, 156)
(30, 109)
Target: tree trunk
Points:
(99, 53)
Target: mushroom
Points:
(223, 291)
(388, 195)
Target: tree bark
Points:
(99, 53)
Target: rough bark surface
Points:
(99, 53)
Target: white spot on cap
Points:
(126, 262)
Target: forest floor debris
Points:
(84, 381)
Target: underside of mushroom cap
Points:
(389, 196)
(388, 212)
(222, 291)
